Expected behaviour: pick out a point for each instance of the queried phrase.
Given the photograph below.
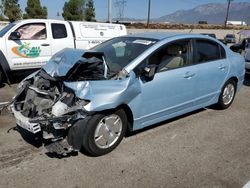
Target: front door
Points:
(172, 90)
(32, 50)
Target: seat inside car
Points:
(172, 58)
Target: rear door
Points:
(212, 69)
(33, 48)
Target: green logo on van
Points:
(26, 51)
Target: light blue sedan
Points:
(89, 99)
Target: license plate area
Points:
(23, 122)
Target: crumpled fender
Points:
(106, 94)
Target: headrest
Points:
(174, 50)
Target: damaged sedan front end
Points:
(44, 104)
(73, 87)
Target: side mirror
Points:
(15, 35)
(236, 48)
(149, 72)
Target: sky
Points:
(133, 9)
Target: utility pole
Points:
(149, 4)
(110, 11)
(228, 7)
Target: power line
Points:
(120, 4)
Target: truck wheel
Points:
(104, 132)
(227, 94)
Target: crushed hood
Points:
(69, 65)
(68, 59)
(106, 94)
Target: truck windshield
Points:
(120, 51)
(6, 29)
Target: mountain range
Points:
(213, 13)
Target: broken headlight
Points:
(60, 108)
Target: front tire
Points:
(104, 132)
(227, 94)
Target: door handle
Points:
(222, 67)
(45, 44)
(189, 76)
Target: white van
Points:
(29, 44)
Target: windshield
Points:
(230, 36)
(6, 29)
(119, 52)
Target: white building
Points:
(236, 23)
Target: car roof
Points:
(157, 35)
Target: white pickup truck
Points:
(29, 44)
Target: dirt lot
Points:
(208, 148)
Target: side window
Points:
(222, 53)
(172, 56)
(58, 31)
(208, 51)
(34, 31)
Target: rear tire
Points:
(227, 94)
(104, 132)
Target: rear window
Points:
(209, 51)
(58, 31)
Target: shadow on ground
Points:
(33, 139)
(16, 77)
(37, 141)
(247, 80)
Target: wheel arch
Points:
(235, 79)
(76, 132)
(129, 115)
(221, 104)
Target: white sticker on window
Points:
(145, 42)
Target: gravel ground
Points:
(207, 148)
